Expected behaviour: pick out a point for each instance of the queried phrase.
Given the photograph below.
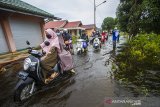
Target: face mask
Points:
(46, 43)
(48, 36)
(58, 34)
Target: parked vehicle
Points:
(81, 46)
(69, 46)
(32, 76)
(96, 44)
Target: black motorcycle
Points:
(32, 76)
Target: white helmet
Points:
(65, 30)
(115, 28)
(61, 31)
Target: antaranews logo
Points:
(122, 101)
(108, 101)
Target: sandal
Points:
(48, 80)
(72, 70)
(53, 76)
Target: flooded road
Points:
(92, 83)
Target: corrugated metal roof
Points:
(73, 24)
(91, 26)
(23, 7)
(55, 24)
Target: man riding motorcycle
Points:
(84, 36)
(103, 37)
(68, 41)
(66, 35)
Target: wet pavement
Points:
(92, 83)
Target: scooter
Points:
(81, 46)
(103, 39)
(31, 78)
(96, 44)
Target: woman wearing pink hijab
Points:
(51, 47)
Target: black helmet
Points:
(46, 43)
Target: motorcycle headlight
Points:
(27, 63)
(95, 44)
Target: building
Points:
(55, 24)
(74, 28)
(20, 21)
(89, 29)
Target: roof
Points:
(73, 24)
(24, 8)
(55, 24)
(90, 26)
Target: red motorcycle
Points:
(103, 39)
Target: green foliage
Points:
(150, 16)
(123, 14)
(146, 48)
(108, 23)
(74, 39)
(136, 16)
(141, 54)
(113, 67)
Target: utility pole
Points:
(94, 15)
(95, 6)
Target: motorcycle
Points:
(103, 39)
(96, 44)
(69, 46)
(31, 78)
(81, 46)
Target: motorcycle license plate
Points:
(23, 75)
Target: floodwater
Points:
(92, 83)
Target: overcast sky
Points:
(75, 10)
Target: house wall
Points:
(6, 27)
(38, 20)
(3, 43)
(73, 32)
(89, 32)
(8, 34)
(23, 30)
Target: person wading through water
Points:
(115, 34)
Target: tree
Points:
(150, 16)
(136, 16)
(123, 14)
(108, 23)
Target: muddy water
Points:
(92, 83)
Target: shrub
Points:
(142, 53)
(74, 39)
